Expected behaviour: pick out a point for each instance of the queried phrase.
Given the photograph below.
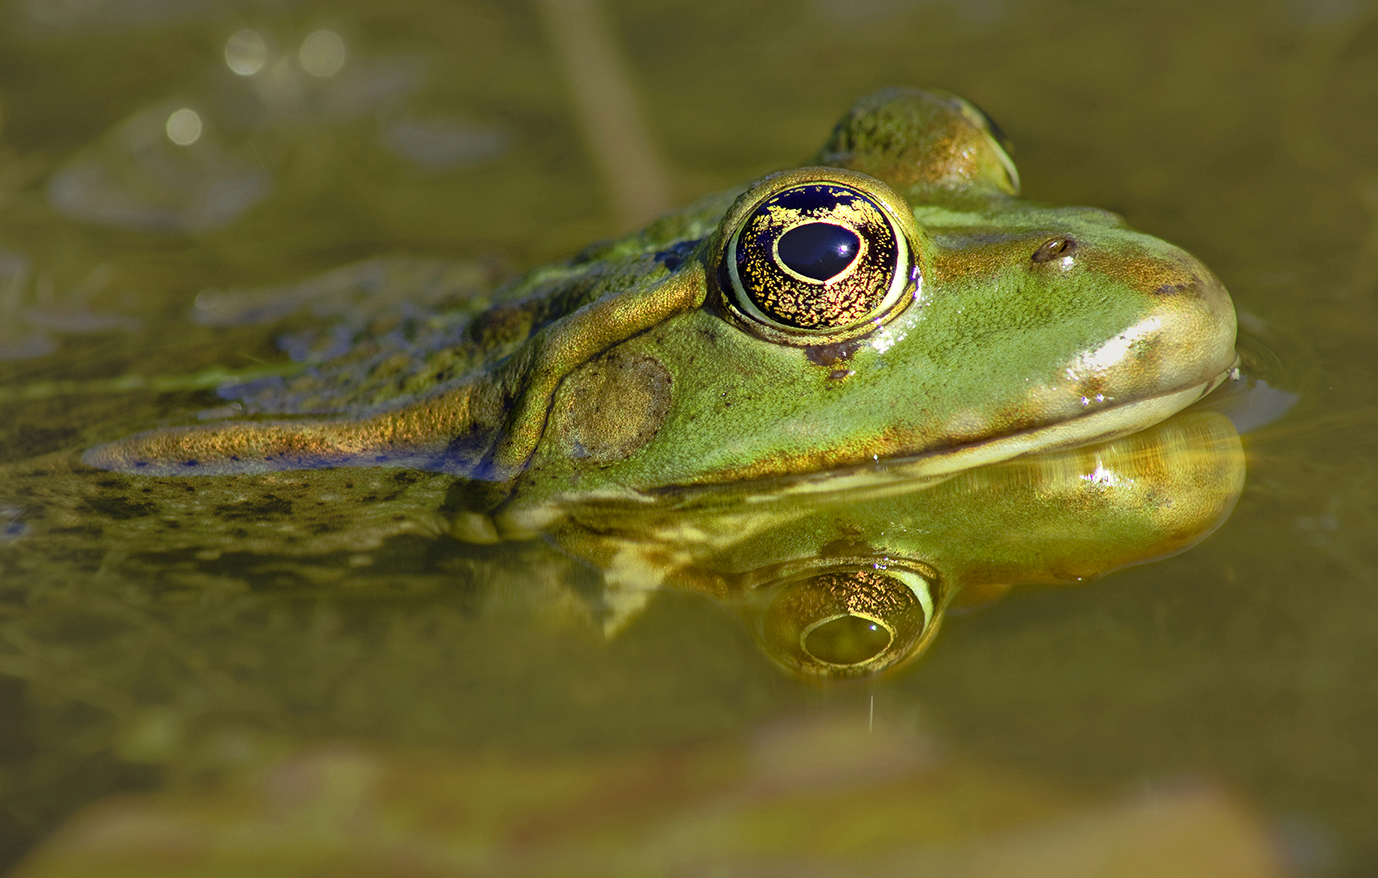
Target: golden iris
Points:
(818, 257)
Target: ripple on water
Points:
(149, 173)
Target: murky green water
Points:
(452, 129)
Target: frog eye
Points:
(817, 258)
(850, 622)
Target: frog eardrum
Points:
(818, 252)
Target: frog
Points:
(891, 315)
(896, 301)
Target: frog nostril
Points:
(1054, 249)
(1171, 289)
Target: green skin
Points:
(833, 488)
(631, 370)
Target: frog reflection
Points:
(852, 583)
(855, 329)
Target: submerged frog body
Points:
(893, 314)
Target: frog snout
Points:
(1196, 323)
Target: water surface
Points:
(459, 129)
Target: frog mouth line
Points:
(1091, 428)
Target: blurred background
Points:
(154, 151)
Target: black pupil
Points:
(818, 250)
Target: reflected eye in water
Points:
(847, 640)
(850, 620)
(818, 257)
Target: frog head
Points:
(903, 315)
